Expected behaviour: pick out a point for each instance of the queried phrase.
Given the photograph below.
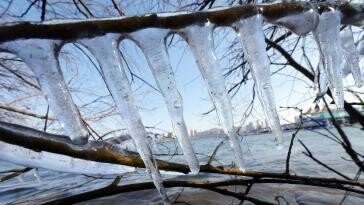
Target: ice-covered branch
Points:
(94, 151)
(61, 163)
(352, 14)
(104, 152)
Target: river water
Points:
(260, 154)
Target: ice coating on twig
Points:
(201, 42)
(351, 55)
(327, 37)
(105, 49)
(301, 23)
(152, 43)
(252, 37)
(57, 162)
(41, 56)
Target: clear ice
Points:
(105, 49)
(152, 43)
(56, 162)
(351, 55)
(321, 82)
(41, 56)
(200, 40)
(301, 23)
(250, 32)
(327, 37)
(360, 47)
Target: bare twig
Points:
(44, 6)
(118, 8)
(346, 142)
(292, 139)
(15, 174)
(310, 155)
(212, 157)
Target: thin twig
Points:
(44, 6)
(309, 154)
(212, 157)
(15, 174)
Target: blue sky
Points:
(290, 87)
(288, 90)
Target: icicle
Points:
(321, 82)
(106, 51)
(301, 23)
(351, 55)
(41, 57)
(360, 47)
(152, 43)
(327, 37)
(254, 46)
(200, 40)
(56, 162)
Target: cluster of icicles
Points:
(338, 53)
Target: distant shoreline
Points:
(161, 140)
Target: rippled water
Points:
(260, 154)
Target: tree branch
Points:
(208, 185)
(353, 14)
(309, 154)
(106, 152)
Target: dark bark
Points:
(95, 151)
